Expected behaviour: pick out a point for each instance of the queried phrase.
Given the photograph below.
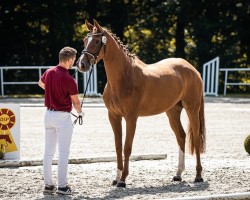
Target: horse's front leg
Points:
(130, 132)
(116, 123)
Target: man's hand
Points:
(81, 114)
(78, 118)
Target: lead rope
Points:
(79, 118)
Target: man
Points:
(60, 93)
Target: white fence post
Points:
(211, 77)
(1, 81)
(92, 87)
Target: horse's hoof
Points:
(121, 184)
(177, 178)
(114, 182)
(198, 179)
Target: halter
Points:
(94, 56)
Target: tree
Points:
(34, 31)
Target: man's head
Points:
(67, 57)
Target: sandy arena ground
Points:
(226, 165)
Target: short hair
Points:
(67, 53)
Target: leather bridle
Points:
(94, 56)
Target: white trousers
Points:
(58, 130)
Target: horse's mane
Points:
(117, 39)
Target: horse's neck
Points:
(117, 66)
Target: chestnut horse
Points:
(136, 89)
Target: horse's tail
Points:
(202, 134)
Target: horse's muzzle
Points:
(82, 65)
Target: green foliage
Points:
(247, 144)
(34, 31)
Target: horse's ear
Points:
(88, 25)
(99, 28)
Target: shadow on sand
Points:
(180, 187)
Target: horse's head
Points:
(94, 44)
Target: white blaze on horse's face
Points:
(89, 40)
(82, 64)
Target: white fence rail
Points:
(210, 77)
(91, 90)
(226, 83)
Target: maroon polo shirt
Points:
(59, 85)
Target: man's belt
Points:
(51, 109)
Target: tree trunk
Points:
(180, 38)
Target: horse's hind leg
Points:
(175, 123)
(194, 134)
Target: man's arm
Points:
(76, 103)
(41, 84)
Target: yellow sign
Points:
(7, 121)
